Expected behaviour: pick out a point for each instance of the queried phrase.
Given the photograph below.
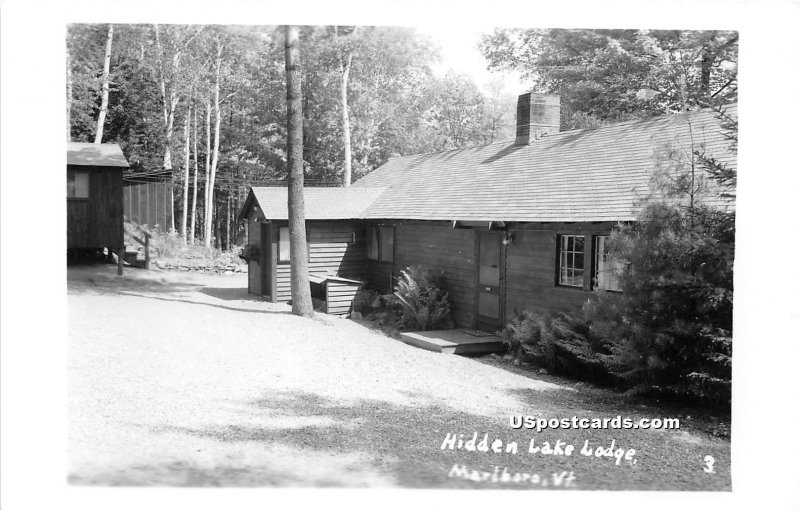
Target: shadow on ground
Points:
(307, 440)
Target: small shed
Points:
(94, 197)
(337, 243)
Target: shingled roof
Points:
(321, 203)
(95, 154)
(595, 174)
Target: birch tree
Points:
(168, 65)
(185, 209)
(344, 50)
(301, 292)
(101, 117)
(196, 169)
(215, 157)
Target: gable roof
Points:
(95, 154)
(321, 203)
(595, 174)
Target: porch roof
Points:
(320, 203)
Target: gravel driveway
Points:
(182, 379)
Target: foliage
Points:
(563, 344)
(606, 76)
(670, 330)
(422, 304)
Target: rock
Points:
(160, 265)
(516, 362)
(228, 272)
(508, 357)
(356, 316)
(543, 371)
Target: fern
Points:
(423, 305)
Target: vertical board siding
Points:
(253, 266)
(97, 222)
(147, 203)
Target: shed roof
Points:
(321, 203)
(95, 154)
(595, 174)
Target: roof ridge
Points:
(662, 116)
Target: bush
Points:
(563, 344)
(669, 331)
(422, 305)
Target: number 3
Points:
(709, 460)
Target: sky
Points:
(459, 49)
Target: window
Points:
(380, 243)
(570, 260)
(606, 270)
(283, 244)
(387, 244)
(372, 243)
(77, 184)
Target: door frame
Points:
(480, 322)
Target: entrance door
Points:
(489, 302)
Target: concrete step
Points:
(453, 341)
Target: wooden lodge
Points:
(510, 226)
(94, 197)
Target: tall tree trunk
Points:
(345, 59)
(215, 158)
(228, 224)
(69, 95)
(101, 118)
(207, 202)
(194, 188)
(186, 176)
(301, 292)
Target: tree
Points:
(301, 292)
(101, 118)
(344, 47)
(193, 230)
(211, 174)
(606, 76)
(670, 330)
(185, 209)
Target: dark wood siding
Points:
(442, 249)
(531, 268)
(97, 221)
(254, 265)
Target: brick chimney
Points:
(537, 114)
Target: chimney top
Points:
(537, 114)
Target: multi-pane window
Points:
(570, 260)
(606, 270)
(380, 243)
(77, 184)
(283, 244)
